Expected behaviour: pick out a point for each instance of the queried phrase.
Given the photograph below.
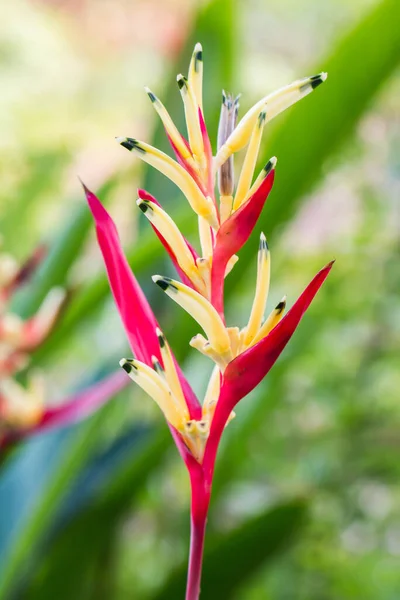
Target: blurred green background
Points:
(306, 504)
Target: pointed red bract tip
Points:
(96, 207)
(144, 195)
(136, 314)
(247, 370)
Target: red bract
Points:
(233, 234)
(242, 357)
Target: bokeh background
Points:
(307, 492)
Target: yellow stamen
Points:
(249, 164)
(261, 295)
(175, 172)
(171, 128)
(274, 103)
(200, 309)
(195, 76)
(171, 233)
(171, 374)
(271, 322)
(192, 119)
(157, 388)
(200, 343)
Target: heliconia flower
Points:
(242, 356)
(23, 409)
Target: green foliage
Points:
(313, 131)
(235, 556)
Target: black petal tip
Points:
(280, 306)
(163, 284)
(127, 367)
(181, 82)
(144, 206)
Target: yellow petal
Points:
(170, 232)
(171, 128)
(261, 295)
(274, 104)
(225, 207)
(204, 267)
(171, 374)
(249, 164)
(200, 309)
(195, 76)
(192, 119)
(157, 388)
(271, 164)
(175, 172)
(212, 394)
(206, 241)
(231, 263)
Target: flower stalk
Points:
(241, 356)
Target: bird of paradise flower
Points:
(241, 356)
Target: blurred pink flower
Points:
(23, 410)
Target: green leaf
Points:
(82, 540)
(232, 558)
(316, 128)
(64, 251)
(39, 521)
(38, 181)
